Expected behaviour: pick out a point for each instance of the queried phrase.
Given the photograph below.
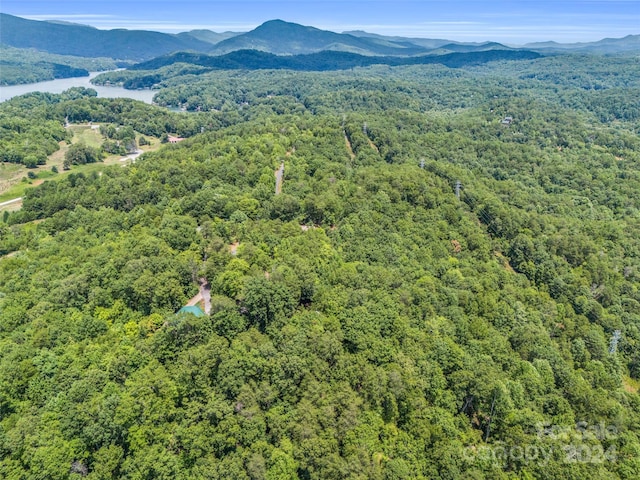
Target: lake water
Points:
(59, 86)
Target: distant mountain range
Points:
(630, 43)
(275, 36)
(208, 36)
(284, 38)
(428, 43)
(84, 41)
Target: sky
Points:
(513, 22)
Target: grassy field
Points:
(10, 174)
(89, 134)
(14, 178)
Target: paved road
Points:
(132, 156)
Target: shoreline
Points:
(61, 84)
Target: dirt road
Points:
(13, 204)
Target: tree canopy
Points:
(366, 322)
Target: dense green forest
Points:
(446, 287)
(151, 73)
(31, 126)
(23, 65)
(12, 73)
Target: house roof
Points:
(194, 310)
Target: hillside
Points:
(427, 292)
(320, 61)
(153, 73)
(84, 41)
(12, 73)
(25, 65)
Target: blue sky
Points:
(514, 21)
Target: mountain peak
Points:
(278, 26)
(275, 22)
(287, 38)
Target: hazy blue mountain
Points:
(275, 36)
(428, 43)
(85, 41)
(628, 44)
(209, 36)
(470, 47)
(284, 38)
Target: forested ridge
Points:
(154, 73)
(447, 286)
(89, 42)
(327, 60)
(23, 65)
